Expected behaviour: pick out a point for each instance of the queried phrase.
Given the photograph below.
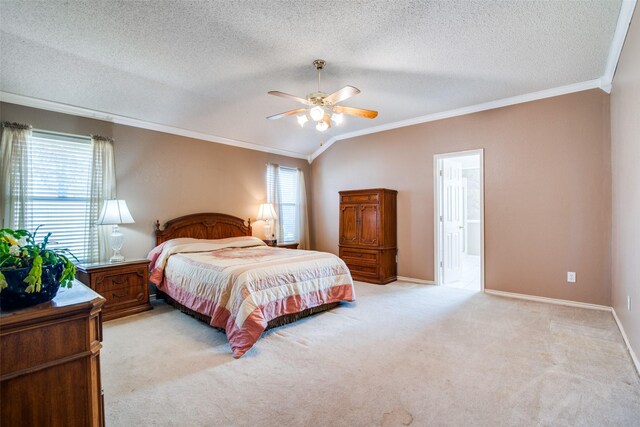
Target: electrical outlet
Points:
(571, 276)
(629, 302)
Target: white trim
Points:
(619, 36)
(499, 103)
(437, 194)
(548, 300)
(128, 121)
(634, 358)
(436, 221)
(414, 280)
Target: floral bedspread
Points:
(242, 284)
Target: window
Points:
(284, 195)
(58, 191)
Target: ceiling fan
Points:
(323, 108)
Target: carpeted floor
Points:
(403, 354)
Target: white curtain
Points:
(15, 161)
(302, 222)
(280, 192)
(273, 197)
(102, 187)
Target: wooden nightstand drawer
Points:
(107, 281)
(123, 296)
(124, 285)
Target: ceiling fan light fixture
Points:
(322, 108)
(316, 113)
(302, 120)
(322, 126)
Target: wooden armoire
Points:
(368, 243)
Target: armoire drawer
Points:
(359, 256)
(360, 198)
(362, 270)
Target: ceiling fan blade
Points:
(292, 97)
(360, 112)
(327, 120)
(288, 113)
(341, 94)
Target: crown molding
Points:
(58, 107)
(519, 99)
(619, 36)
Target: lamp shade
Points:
(266, 212)
(115, 212)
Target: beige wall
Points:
(162, 176)
(547, 192)
(625, 162)
(547, 186)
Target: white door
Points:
(452, 220)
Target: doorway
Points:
(459, 219)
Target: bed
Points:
(209, 266)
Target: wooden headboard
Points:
(202, 226)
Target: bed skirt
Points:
(273, 323)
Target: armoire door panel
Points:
(348, 224)
(369, 225)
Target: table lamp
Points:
(115, 212)
(266, 213)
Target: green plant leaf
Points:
(34, 278)
(3, 281)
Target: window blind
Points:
(288, 203)
(58, 191)
(287, 208)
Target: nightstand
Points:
(281, 245)
(288, 245)
(124, 285)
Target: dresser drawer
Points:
(359, 256)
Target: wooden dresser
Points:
(367, 241)
(124, 285)
(50, 364)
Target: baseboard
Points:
(548, 300)
(634, 358)
(412, 280)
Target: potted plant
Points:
(29, 272)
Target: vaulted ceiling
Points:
(206, 67)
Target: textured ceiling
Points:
(207, 66)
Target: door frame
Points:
(437, 200)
